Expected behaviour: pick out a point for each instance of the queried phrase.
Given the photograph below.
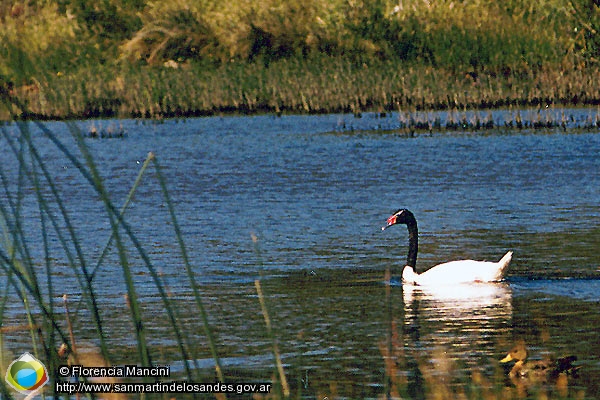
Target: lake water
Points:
(298, 202)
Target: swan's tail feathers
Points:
(504, 262)
(506, 259)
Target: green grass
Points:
(321, 85)
(65, 60)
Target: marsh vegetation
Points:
(71, 59)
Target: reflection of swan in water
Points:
(465, 296)
(463, 322)
(448, 273)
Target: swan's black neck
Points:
(413, 240)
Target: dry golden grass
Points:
(186, 58)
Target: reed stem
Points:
(276, 354)
(189, 272)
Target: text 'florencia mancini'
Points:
(116, 371)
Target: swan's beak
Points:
(390, 221)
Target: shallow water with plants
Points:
(296, 203)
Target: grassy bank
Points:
(329, 85)
(69, 59)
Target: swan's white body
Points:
(462, 271)
(450, 273)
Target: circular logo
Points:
(26, 374)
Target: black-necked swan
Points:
(461, 271)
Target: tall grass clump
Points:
(236, 31)
(171, 30)
(483, 36)
(35, 33)
(475, 34)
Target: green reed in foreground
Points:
(30, 273)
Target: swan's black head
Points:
(402, 216)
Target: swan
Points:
(453, 272)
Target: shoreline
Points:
(507, 120)
(286, 87)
